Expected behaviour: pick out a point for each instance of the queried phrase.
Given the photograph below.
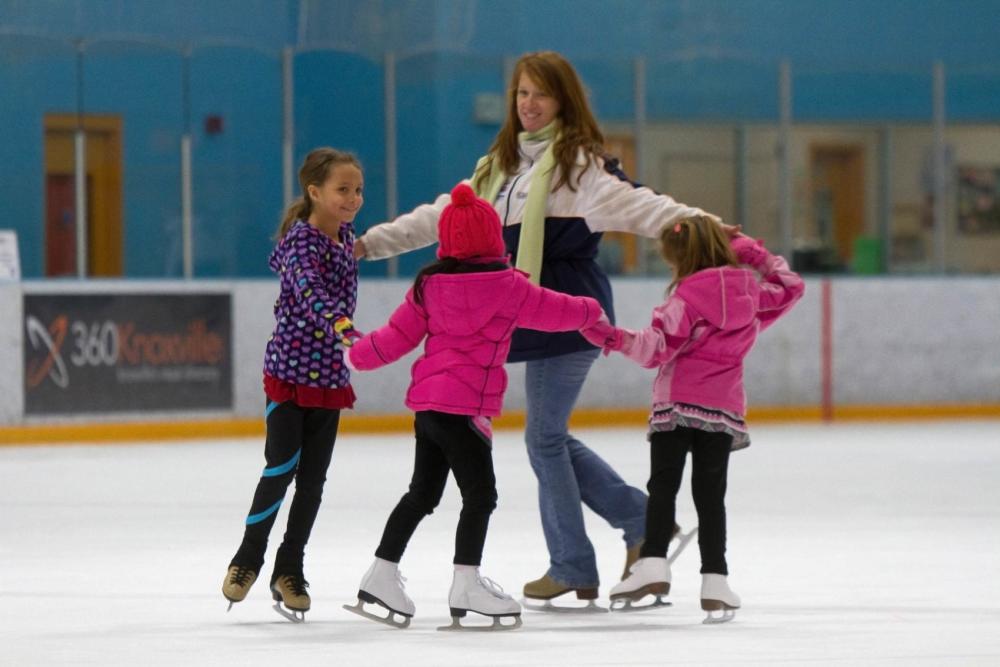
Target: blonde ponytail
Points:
(694, 244)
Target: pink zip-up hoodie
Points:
(701, 334)
(468, 320)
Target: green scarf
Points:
(532, 240)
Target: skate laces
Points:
(401, 579)
(297, 584)
(241, 576)
(494, 588)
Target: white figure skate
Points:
(382, 585)
(472, 592)
(647, 576)
(716, 596)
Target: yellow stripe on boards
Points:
(360, 424)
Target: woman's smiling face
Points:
(535, 107)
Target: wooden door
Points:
(60, 225)
(622, 147)
(838, 195)
(104, 195)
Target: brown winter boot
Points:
(632, 552)
(547, 588)
(237, 584)
(631, 556)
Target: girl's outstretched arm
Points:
(780, 287)
(409, 231)
(663, 339)
(406, 327)
(547, 310)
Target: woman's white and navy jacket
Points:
(604, 200)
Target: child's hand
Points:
(348, 362)
(732, 231)
(360, 251)
(749, 251)
(346, 333)
(604, 335)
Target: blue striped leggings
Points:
(299, 445)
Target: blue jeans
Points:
(569, 472)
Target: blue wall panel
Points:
(236, 172)
(36, 77)
(142, 85)
(710, 60)
(339, 102)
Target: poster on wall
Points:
(10, 263)
(94, 353)
(979, 200)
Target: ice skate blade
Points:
(547, 606)
(293, 615)
(725, 615)
(497, 626)
(624, 604)
(683, 539)
(389, 620)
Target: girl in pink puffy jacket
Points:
(698, 339)
(464, 308)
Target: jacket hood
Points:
(728, 297)
(301, 229)
(278, 253)
(463, 303)
(274, 261)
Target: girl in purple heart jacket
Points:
(698, 339)
(306, 382)
(464, 308)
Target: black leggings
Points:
(299, 444)
(710, 464)
(446, 442)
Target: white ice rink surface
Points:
(850, 545)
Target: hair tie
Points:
(677, 228)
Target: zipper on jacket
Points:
(510, 190)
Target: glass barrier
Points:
(134, 90)
(38, 120)
(847, 184)
(235, 122)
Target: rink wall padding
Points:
(897, 348)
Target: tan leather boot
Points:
(290, 590)
(631, 556)
(238, 581)
(547, 588)
(632, 553)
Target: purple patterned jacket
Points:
(319, 284)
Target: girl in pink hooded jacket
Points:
(698, 339)
(465, 307)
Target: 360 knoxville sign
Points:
(126, 352)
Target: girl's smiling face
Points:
(340, 196)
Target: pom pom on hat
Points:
(462, 195)
(469, 227)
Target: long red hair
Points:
(577, 125)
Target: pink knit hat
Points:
(469, 227)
